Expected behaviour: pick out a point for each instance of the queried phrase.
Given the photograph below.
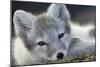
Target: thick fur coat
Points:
(49, 36)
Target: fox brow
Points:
(43, 22)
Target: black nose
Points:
(60, 56)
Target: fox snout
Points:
(60, 55)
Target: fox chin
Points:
(49, 36)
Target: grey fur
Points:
(31, 29)
(46, 27)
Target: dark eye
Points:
(60, 35)
(41, 43)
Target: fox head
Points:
(45, 36)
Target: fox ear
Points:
(58, 11)
(23, 21)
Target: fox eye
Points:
(60, 35)
(41, 43)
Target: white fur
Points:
(21, 54)
(24, 57)
(23, 18)
(39, 54)
(80, 31)
(85, 44)
(55, 9)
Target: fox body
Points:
(48, 36)
(82, 40)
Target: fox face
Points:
(46, 36)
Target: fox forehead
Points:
(44, 22)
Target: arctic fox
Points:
(47, 36)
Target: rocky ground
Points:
(86, 58)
